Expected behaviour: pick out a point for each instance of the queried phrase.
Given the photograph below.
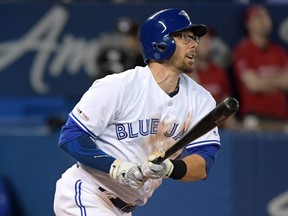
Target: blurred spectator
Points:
(211, 76)
(261, 72)
(119, 50)
(220, 51)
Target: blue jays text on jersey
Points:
(144, 128)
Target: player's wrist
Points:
(180, 169)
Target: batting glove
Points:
(156, 171)
(127, 173)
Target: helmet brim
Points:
(199, 29)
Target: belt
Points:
(119, 203)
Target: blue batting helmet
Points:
(155, 37)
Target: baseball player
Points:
(125, 120)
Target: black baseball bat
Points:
(214, 118)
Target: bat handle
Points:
(158, 160)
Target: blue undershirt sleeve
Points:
(81, 147)
(208, 152)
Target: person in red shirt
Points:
(261, 69)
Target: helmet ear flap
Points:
(159, 49)
(165, 49)
(159, 46)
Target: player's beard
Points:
(183, 65)
(187, 68)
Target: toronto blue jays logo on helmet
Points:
(182, 12)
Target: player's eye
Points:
(187, 38)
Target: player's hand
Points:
(127, 173)
(156, 171)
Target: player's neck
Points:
(165, 78)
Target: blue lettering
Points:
(145, 128)
(154, 126)
(120, 131)
(130, 129)
(172, 131)
(179, 135)
(141, 127)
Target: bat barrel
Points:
(232, 104)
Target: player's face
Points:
(185, 53)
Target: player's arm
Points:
(199, 162)
(195, 166)
(201, 155)
(83, 148)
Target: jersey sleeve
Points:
(98, 106)
(207, 145)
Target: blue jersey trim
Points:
(78, 198)
(76, 120)
(202, 143)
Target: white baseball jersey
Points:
(130, 116)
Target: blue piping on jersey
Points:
(78, 197)
(205, 142)
(82, 125)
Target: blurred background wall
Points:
(47, 61)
